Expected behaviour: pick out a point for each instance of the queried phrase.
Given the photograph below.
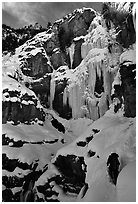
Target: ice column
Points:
(52, 90)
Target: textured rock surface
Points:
(128, 86)
(77, 53)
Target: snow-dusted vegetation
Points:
(69, 110)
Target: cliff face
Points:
(82, 41)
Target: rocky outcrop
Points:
(59, 58)
(21, 182)
(128, 88)
(39, 56)
(73, 171)
(77, 53)
(19, 104)
(36, 66)
(17, 112)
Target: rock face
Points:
(67, 43)
(73, 174)
(128, 86)
(20, 104)
(58, 58)
(39, 56)
(77, 53)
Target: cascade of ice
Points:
(75, 100)
(97, 62)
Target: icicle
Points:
(70, 97)
(93, 108)
(52, 91)
(92, 76)
(134, 15)
(71, 50)
(75, 100)
(65, 96)
(98, 69)
(103, 107)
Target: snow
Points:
(126, 183)
(116, 134)
(78, 38)
(17, 172)
(101, 191)
(33, 133)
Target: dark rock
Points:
(70, 167)
(11, 164)
(81, 143)
(63, 110)
(12, 181)
(58, 125)
(52, 142)
(7, 195)
(42, 89)
(95, 131)
(77, 53)
(99, 86)
(113, 167)
(91, 153)
(15, 111)
(58, 59)
(128, 88)
(36, 66)
(51, 44)
(6, 140)
(76, 26)
(88, 139)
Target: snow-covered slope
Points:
(110, 134)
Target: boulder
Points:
(36, 66)
(58, 58)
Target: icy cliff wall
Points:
(89, 86)
(73, 67)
